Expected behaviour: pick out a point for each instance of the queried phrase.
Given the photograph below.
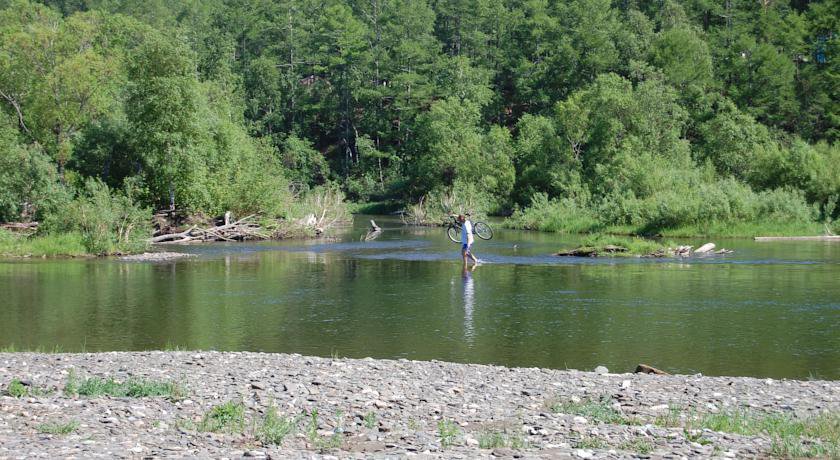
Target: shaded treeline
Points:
(634, 113)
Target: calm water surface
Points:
(771, 309)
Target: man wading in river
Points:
(466, 240)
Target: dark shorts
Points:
(465, 247)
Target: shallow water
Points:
(770, 309)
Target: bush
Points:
(51, 245)
(317, 211)
(109, 221)
(553, 215)
(28, 180)
(436, 206)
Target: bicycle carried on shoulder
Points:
(453, 229)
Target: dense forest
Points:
(577, 115)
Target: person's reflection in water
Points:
(469, 302)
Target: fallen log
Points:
(234, 231)
(705, 248)
(374, 232)
(172, 236)
(645, 369)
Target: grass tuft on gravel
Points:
(494, 439)
(792, 437)
(40, 349)
(590, 442)
(273, 428)
(370, 420)
(448, 431)
(18, 389)
(640, 446)
(600, 411)
(58, 428)
(228, 418)
(131, 388)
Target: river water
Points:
(769, 310)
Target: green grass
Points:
(370, 420)
(40, 349)
(590, 442)
(494, 439)
(50, 245)
(817, 436)
(600, 411)
(273, 429)
(131, 388)
(17, 389)
(448, 432)
(671, 419)
(745, 229)
(228, 418)
(640, 446)
(321, 442)
(58, 428)
(634, 246)
(169, 346)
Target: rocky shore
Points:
(230, 404)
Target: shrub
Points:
(555, 216)
(109, 221)
(436, 206)
(28, 181)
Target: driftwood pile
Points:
(240, 230)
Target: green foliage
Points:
(814, 436)
(601, 411)
(493, 439)
(273, 428)
(436, 207)
(448, 432)
(639, 445)
(370, 420)
(49, 245)
(59, 428)
(306, 165)
(590, 442)
(683, 56)
(228, 418)
(131, 388)
(599, 113)
(28, 180)
(451, 149)
(555, 215)
(16, 389)
(110, 222)
(322, 442)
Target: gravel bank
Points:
(380, 408)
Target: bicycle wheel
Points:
(483, 230)
(454, 233)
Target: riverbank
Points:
(289, 406)
(706, 230)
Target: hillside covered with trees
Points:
(582, 115)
